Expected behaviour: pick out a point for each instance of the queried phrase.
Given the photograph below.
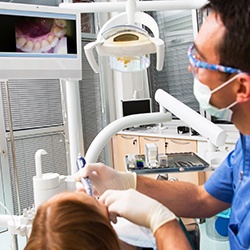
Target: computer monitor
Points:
(136, 106)
(39, 42)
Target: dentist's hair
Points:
(234, 49)
(69, 224)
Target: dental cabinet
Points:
(132, 141)
(124, 144)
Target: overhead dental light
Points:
(126, 43)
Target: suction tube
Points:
(38, 162)
(104, 136)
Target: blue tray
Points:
(177, 162)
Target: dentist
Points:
(220, 62)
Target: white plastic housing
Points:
(145, 44)
(47, 186)
(203, 126)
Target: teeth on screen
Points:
(43, 44)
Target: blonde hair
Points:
(71, 224)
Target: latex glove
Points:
(103, 178)
(137, 208)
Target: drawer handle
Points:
(173, 179)
(127, 137)
(179, 142)
(151, 139)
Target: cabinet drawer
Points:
(180, 146)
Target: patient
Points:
(72, 220)
(77, 221)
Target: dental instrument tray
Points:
(171, 162)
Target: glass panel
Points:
(176, 29)
(34, 104)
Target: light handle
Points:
(89, 52)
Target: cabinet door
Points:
(125, 144)
(160, 142)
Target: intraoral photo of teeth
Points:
(41, 35)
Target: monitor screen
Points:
(39, 42)
(136, 106)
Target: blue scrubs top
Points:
(231, 183)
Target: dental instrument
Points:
(85, 181)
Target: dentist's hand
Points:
(103, 178)
(137, 208)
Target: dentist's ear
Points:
(243, 91)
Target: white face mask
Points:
(203, 94)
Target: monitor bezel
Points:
(37, 66)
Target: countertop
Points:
(169, 130)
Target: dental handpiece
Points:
(85, 181)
